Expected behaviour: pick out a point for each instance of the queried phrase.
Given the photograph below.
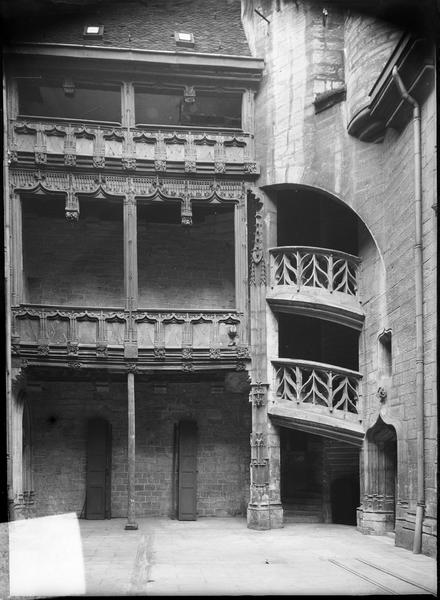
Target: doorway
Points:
(187, 471)
(98, 474)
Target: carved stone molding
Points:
(258, 394)
(219, 167)
(43, 349)
(240, 365)
(131, 367)
(188, 367)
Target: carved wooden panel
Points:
(145, 334)
(176, 152)
(115, 332)
(173, 335)
(28, 329)
(84, 146)
(87, 331)
(202, 333)
(57, 330)
(55, 144)
(113, 148)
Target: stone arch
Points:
(379, 494)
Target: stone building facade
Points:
(215, 228)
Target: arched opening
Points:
(319, 478)
(378, 511)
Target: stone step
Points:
(302, 518)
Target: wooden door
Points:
(98, 469)
(187, 471)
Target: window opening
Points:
(68, 99)
(189, 108)
(385, 354)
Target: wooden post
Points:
(131, 454)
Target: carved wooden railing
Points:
(49, 329)
(318, 384)
(130, 148)
(301, 266)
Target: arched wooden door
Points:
(187, 473)
(98, 469)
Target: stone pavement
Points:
(215, 556)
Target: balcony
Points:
(138, 149)
(320, 398)
(99, 336)
(317, 282)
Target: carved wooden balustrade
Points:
(55, 143)
(315, 384)
(88, 334)
(306, 266)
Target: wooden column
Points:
(130, 275)
(131, 455)
(241, 275)
(17, 295)
(15, 436)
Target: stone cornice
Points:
(413, 59)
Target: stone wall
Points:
(298, 147)
(59, 422)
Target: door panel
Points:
(98, 469)
(187, 505)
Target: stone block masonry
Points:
(59, 421)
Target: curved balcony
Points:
(317, 398)
(316, 282)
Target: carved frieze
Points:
(160, 165)
(117, 185)
(131, 367)
(43, 349)
(187, 367)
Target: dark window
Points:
(69, 100)
(170, 108)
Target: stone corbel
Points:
(258, 394)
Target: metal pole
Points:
(131, 455)
(418, 259)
